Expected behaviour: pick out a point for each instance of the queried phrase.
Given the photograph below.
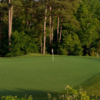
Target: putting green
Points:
(23, 75)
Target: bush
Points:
(92, 52)
(67, 94)
(98, 47)
(71, 45)
(63, 51)
(71, 94)
(22, 44)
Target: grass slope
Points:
(92, 85)
(39, 75)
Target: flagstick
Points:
(52, 55)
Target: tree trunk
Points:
(60, 33)
(50, 24)
(52, 29)
(0, 27)
(41, 44)
(58, 29)
(10, 14)
(9, 23)
(27, 21)
(45, 18)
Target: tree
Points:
(10, 11)
(45, 18)
(89, 24)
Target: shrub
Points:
(71, 45)
(92, 52)
(71, 94)
(22, 44)
(63, 51)
(68, 94)
(98, 47)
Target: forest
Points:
(69, 27)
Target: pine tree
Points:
(45, 18)
(65, 9)
(10, 12)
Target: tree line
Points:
(70, 27)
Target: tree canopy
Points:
(70, 27)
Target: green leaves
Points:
(22, 44)
(16, 2)
(75, 24)
(71, 44)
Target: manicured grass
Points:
(39, 74)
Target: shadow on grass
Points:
(37, 95)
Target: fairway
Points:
(39, 74)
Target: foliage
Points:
(93, 52)
(98, 47)
(22, 44)
(78, 27)
(72, 94)
(89, 23)
(62, 51)
(71, 44)
(68, 94)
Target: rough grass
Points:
(92, 85)
(39, 75)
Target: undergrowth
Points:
(67, 94)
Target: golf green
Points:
(39, 74)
